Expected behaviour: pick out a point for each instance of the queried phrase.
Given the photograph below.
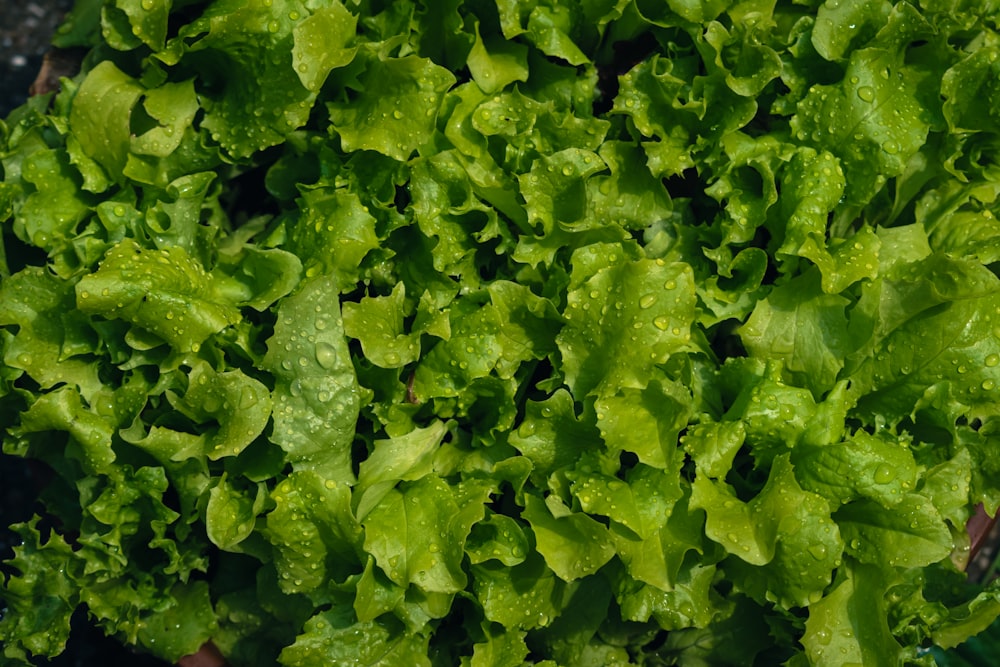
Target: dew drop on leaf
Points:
(884, 474)
(326, 355)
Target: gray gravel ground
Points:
(26, 26)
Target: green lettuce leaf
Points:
(573, 544)
(776, 529)
(167, 293)
(395, 105)
(316, 397)
(314, 534)
(417, 533)
(622, 320)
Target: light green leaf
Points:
(316, 539)
(378, 323)
(549, 27)
(321, 42)
(947, 485)
(376, 594)
(417, 534)
(497, 537)
(471, 352)
(833, 37)
(105, 100)
(687, 604)
(645, 422)
(41, 600)
(877, 467)
(642, 503)
(552, 436)
(775, 415)
(803, 327)
(849, 624)
(327, 639)
(148, 19)
(334, 234)
(930, 330)
(236, 406)
(258, 276)
(630, 196)
(658, 560)
(166, 292)
(749, 64)
(496, 64)
(910, 534)
(183, 627)
(39, 305)
(713, 446)
(555, 190)
(403, 458)
(231, 513)
(573, 544)
(173, 106)
(247, 52)
(316, 395)
(62, 410)
(784, 529)
(528, 325)
(622, 321)
(395, 106)
(522, 597)
(503, 648)
(873, 121)
(177, 218)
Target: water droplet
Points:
(866, 93)
(890, 147)
(647, 300)
(661, 323)
(818, 551)
(326, 355)
(884, 474)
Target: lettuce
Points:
(499, 333)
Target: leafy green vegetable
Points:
(499, 333)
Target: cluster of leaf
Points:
(439, 332)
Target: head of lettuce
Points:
(607, 332)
